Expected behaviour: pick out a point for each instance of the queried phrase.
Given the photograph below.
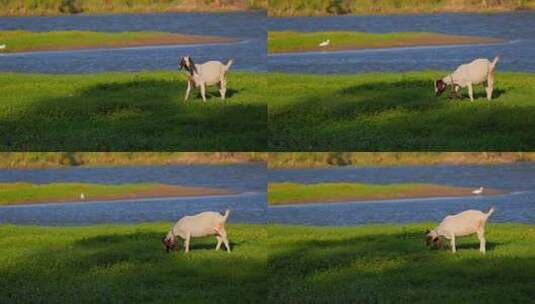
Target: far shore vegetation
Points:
(288, 41)
(27, 41)
(294, 193)
(282, 8)
(372, 159)
(26, 193)
(91, 159)
(66, 7)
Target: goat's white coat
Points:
(200, 225)
(462, 224)
(476, 72)
(207, 74)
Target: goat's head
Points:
(440, 87)
(432, 239)
(170, 243)
(187, 63)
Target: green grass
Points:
(398, 111)
(341, 7)
(19, 41)
(293, 193)
(141, 111)
(390, 264)
(269, 264)
(128, 264)
(287, 41)
(23, 193)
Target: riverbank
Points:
(26, 41)
(294, 193)
(26, 160)
(279, 160)
(284, 8)
(393, 111)
(121, 111)
(114, 263)
(289, 42)
(62, 7)
(391, 264)
(25, 193)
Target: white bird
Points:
(82, 196)
(2, 46)
(325, 43)
(478, 191)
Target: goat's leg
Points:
(490, 86)
(203, 92)
(471, 92)
(186, 243)
(223, 88)
(188, 91)
(482, 241)
(219, 242)
(223, 235)
(452, 243)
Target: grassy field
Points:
(20, 41)
(287, 41)
(367, 159)
(397, 111)
(269, 264)
(390, 264)
(25, 193)
(55, 7)
(141, 111)
(293, 193)
(342, 7)
(128, 264)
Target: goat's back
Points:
(464, 223)
(201, 224)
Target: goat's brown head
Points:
(169, 243)
(187, 63)
(440, 87)
(432, 240)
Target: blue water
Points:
(518, 205)
(246, 27)
(248, 204)
(517, 28)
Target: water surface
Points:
(246, 27)
(516, 206)
(517, 28)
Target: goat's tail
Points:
(494, 62)
(491, 211)
(229, 63)
(225, 216)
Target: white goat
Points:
(476, 72)
(461, 224)
(207, 74)
(199, 225)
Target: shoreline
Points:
(385, 193)
(28, 41)
(301, 42)
(155, 191)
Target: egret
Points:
(478, 191)
(82, 196)
(325, 43)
